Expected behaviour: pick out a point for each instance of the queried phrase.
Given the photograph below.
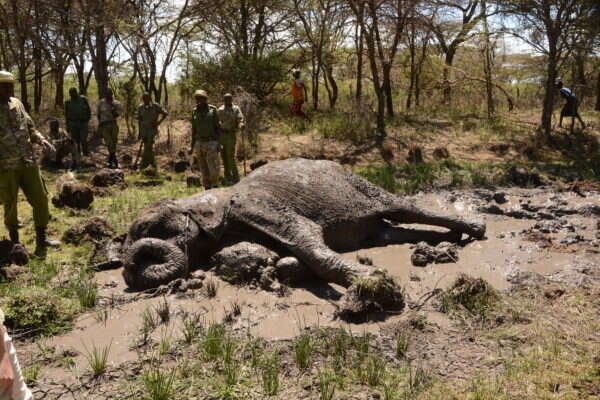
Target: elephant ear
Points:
(209, 210)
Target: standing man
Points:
(232, 120)
(148, 115)
(77, 116)
(299, 95)
(109, 111)
(18, 168)
(570, 107)
(205, 139)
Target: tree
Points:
(453, 23)
(417, 41)
(382, 23)
(324, 25)
(551, 28)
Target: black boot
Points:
(42, 242)
(116, 161)
(109, 165)
(14, 236)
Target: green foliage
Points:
(302, 350)
(159, 385)
(211, 345)
(327, 384)
(87, 292)
(345, 126)
(37, 311)
(257, 76)
(97, 359)
(270, 374)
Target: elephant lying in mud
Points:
(309, 209)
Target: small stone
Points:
(500, 197)
(198, 274)
(414, 277)
(192, 284)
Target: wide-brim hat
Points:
(6, 77)
(200, 93)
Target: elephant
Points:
(311, 209)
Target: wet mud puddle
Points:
(527, 230)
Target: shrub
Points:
(36, 312)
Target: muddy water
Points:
(277, 318)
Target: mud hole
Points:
(538, 235)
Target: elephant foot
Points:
(372, 292)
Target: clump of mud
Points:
(376, 293)
(474, 295)
(426, 254)
(12, 253)
(107, 253)
(73, 194)
(522, 176)
(108, 177)
(93, 229)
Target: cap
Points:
(201, 93)
(6, 77)
(228, 95)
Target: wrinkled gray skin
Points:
(308, 208)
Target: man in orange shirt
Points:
(299, 95)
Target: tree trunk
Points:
(359, 63)
(37, 79)
(488, 61)
(59, 81)
(598, 93)
(387, 88)
(316, 69)
(549, 96)
(412, 54)
(448, 61)
(23, 83)
(100, 60)
(332, 87)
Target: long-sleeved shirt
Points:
(231, 118)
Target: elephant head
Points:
(171, 236)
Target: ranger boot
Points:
(14, 236)
(42, 242)
(109, 161)
(116, 161)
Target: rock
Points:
(491, 209)
(181, 165)
(71, 193)
(149, 183)
(443, 253)
(415, 155)
(127, 160)
(499, 149)
(13, 253)
(242, 263)
(192, 284)
(93, 229)
(291, 271)
(193, 180)
(149, 172)
(257, 164)
(553, 292)
(441, 153)
(11, 272)
(522, 176)
(107, 254)
(108, 177)
(198, 274)
(517, 276)
(500, 197)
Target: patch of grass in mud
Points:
(474, 295)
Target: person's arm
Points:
(7, 374)
(305, 91)
(164, 114)
(241, 119)
(88, 110)
(193, 134)
(217, 125)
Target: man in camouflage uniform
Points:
(77, 116)
(63, 144)
(232, 120)
(18, 168)
(205, 139)
(109, 111)
(148, 115)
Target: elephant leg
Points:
(408, 214)
(397, 235)
(304, 238)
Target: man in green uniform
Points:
(232, 120)
(77, 116)
(205, 139)
(148, 115)
(18, 168)
(109, 111)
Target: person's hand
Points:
(7, 375)
(190, 152)
(48, 146)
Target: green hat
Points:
(201, 93)
(6, 77)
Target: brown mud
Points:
(563, 235)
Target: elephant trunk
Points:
(151, 262)
(413, 215)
